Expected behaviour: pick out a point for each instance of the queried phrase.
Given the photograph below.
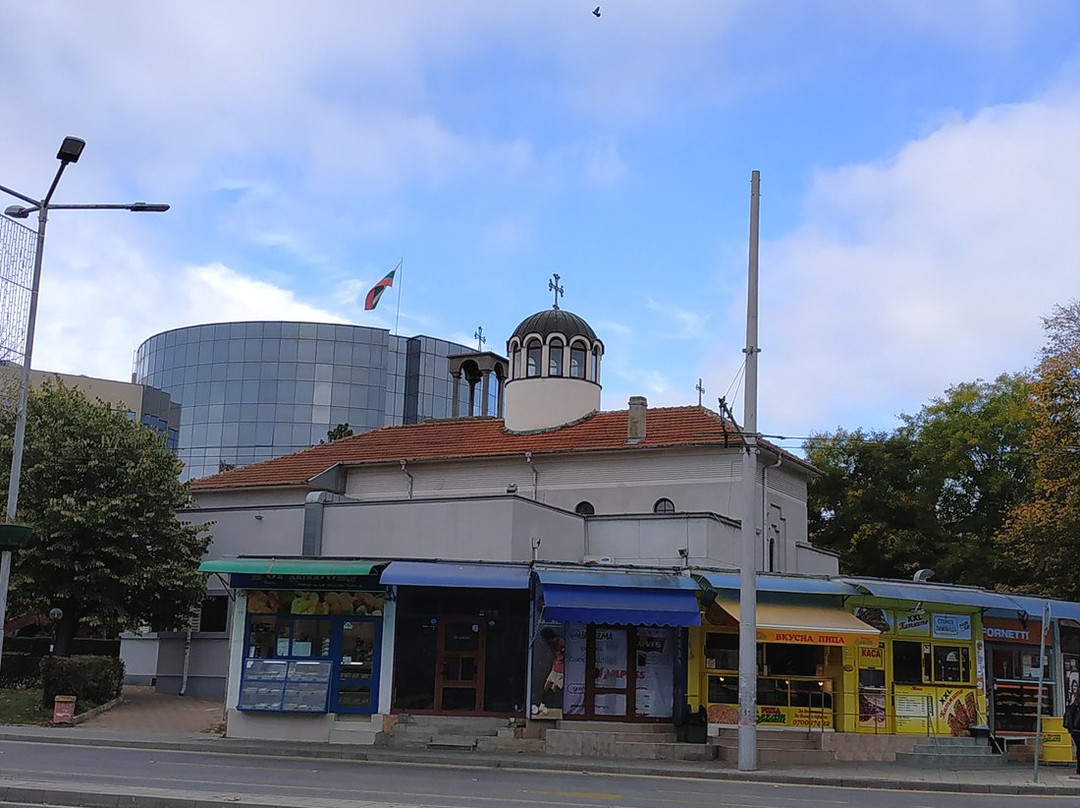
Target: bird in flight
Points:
(596, 11)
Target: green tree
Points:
(1042, 536)
(102, 494)
(932, 493)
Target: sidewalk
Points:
(156, 721)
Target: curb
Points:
(594, 766)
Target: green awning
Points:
(291, 566)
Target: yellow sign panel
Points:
(769, 715)
(808, 636)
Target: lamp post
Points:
(69, 152)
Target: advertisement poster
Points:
(878, 618)
(871, 709)
(548, 672)
(574, 675)
(913, 623)
(952, 626)
(914, 709)
(314, 603)
(655, 672)
(956, 711)
(1072, 678)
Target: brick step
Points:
(794, 741)
(619, 737)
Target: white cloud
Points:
(926, 270)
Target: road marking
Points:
(581, 795)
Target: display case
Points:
(294, 686)
(1016, 704)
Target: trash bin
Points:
(63, 710)
(695, 728)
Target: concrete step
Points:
(792, 742)
(527, 746)
(781, 757)
(946, 761)
(635, 727)
(640, 750)
(935, 747)
(459, 742)
(456, 724)
(356, 737)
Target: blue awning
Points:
(794, 585)
(620, 605)
(456, 575)
(934, 593)
(619, 596)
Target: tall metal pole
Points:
(748, 528)
(20, 416)
(1042, 678)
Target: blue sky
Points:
(920, 169)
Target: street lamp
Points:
(69, 152)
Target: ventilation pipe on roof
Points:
(409, 475)
(532, 468)
(635, 422)
(313, 523)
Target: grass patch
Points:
(22, 707)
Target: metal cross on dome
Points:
(553, 286)
(480, 338)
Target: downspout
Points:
(765, 510)
(409, 475)
(528, 459)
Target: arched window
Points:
(585, 508)
(532, 358)
(515, 362)
(663, 505)
(577, 360)
(596, 365)
(555, 352)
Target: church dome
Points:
(554, 321)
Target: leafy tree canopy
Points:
(1042, 537)
(102, 494)
(932, 493)
(337, 433)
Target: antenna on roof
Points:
(725, 410)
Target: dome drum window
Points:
(664, 505)
(532, 358)
(555, 357)
(577, 360)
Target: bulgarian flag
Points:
(376, 293)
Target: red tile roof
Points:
(471, 438)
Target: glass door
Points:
(356, 686)
(612, 685)
(459, 680)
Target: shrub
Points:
(93, 680)
(20, 670)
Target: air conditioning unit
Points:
(598, 559)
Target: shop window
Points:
(585, 508)
(789, 659)
(664, 505)
(951, 663)
(907, 662)
(555, 357)
(722, 652)
(532, 358)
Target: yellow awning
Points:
(810, 625)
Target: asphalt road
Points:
(240, 779)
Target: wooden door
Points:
(459, 666)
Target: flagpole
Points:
(397, 315)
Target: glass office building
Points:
(253, 391)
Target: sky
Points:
(919, 160)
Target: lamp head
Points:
(70, 149)
(17, 211)
(148, 207)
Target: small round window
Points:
(664, 505)
(585, 508)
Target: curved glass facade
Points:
(253, 391)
